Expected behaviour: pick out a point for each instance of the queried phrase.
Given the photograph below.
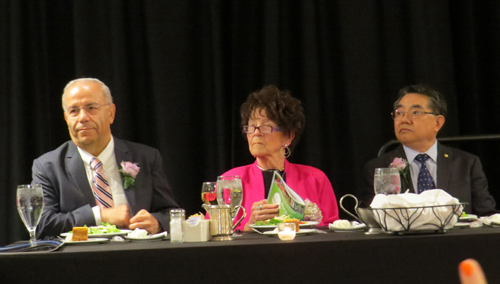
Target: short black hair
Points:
(437, 103)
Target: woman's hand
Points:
(261, 211)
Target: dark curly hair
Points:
(280, 107)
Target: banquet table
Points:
(333, 257)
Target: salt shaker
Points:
(176, 218)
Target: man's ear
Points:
(439, 122)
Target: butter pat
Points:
(138, 233)
(196, 231)
(342, 224)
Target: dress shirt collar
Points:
(432, 152)
(105, 157)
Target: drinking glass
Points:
(30, 206)
(387, 181)
(229, 192)
(208, 193)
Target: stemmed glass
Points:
(30, 206)
(230, 192)
(208, 193)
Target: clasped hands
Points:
(261, 210)
(120, 216)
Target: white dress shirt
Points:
(415, 165)
(110, 171)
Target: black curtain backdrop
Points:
(179, 71)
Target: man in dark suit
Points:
(418, 116)
(84, 180)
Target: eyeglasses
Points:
(91, 109)
(262, 129)
(414, 114)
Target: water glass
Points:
(29, 200)
(229, 192)
(387, 181)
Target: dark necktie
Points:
(425, 180)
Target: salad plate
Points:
(306, 224)
(156, 237)
(87, 242)
(355, 228)
(459, 225)
(122, 232)
(468, 218)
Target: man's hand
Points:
(119, 216)
(144, 220)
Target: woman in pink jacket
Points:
(273, 122)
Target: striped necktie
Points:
(100, 186)
(425, 180)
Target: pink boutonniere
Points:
(402, 166)
(129, 172)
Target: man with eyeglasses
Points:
(96, 178)
(419, 113)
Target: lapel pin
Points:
(446, 155)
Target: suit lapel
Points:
(443, 166)
(122, 153)
(76, 169)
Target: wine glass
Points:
(30, 206)
(387, 181)
(208, 193)
(230, 192)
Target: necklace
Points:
(264, 170)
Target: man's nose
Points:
(83, 115)
(405, 118)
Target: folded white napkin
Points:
(405, 219)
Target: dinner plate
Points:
(87, 242)
(469, 218)
(156, 237)
(105, 235)
(306, 224)
(356, 228)
(300, 232)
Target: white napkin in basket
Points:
(411, 219)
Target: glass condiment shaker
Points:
(176, 218)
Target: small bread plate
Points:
(359, 227)
(156, 237)
(495, 224)
(468, 218)
(460, 225)
(104, 235)
(263, 228)
(300, 232)
(90, 241)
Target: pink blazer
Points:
(307, 181)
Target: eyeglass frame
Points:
(273, 129)
(85, 107)
(394, 117)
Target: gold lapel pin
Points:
(446, 155)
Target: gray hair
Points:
(105, 90)
(437, 103)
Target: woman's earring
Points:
(287, 150)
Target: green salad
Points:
(273, 221)
(105, 228)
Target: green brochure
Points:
(290, 203)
